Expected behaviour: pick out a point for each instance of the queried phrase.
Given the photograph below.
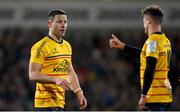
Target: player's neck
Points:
(153, 29)
(55, 38)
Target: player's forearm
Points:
(74, 80)
(133, 51)
(148, 74)
(75, 83)
(41, 78)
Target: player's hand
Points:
(63, 83)
(142, 102)
(82, 101)
(114, 42)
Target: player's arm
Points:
(76, 87)
(133, 51)
(114, 42)
(148, 78)
(148, 74)
(37, 76)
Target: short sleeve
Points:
(152, 49)
(37, 54)
(70, 51)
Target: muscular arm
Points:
(74, 79)
(114, 42)
(148, 74)
(35, 75)
(76, 87)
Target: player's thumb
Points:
(114, 37)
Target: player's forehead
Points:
(60, 17)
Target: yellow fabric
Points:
(55, 59)
(158, 46)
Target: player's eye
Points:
(58, 21)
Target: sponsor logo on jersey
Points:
(62, 67)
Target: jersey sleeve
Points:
(152, 48)
(38, 54)
(70, 52)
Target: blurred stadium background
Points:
(109, 78)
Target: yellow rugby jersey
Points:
(55, 59)
(158, 46)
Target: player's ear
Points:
(49, 23)
(148, 20)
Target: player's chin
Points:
(62, 34)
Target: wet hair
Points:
(155, 12)
(55, 12)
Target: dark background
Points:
(109, 78)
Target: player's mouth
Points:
(63, 30)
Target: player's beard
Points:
(62, 33)
(59, 34)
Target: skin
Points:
(57, 28)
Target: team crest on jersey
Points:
(54, 51)
(151, 46)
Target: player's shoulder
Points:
(66, 42)
(153, 36)
(41, 43)
(156, 37)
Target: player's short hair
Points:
(155, 12)
(54, 13)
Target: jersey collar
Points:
(157, 33)
(54, 40)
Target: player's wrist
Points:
(78, 91)
(123, 46)
(143, 95)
